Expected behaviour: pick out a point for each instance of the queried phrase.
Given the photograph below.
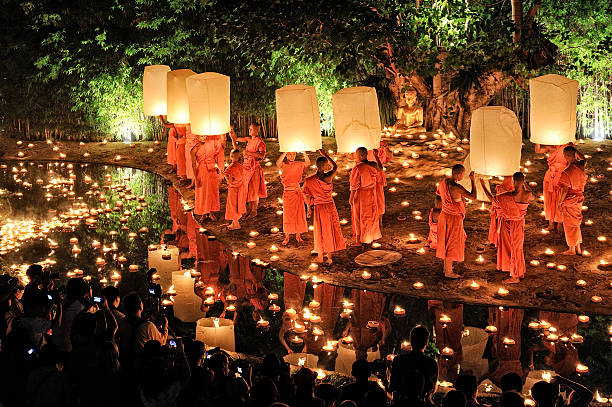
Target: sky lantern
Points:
(178, 103)
(209, 103)
(186, 303)
(357, 119)
(495, 141)
(298, 119)
(552, 115)
(164, 259)
(216, 332)
(154, 89)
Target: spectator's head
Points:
(219, 364)
(270, 366)
(543, 393)
(304, 381)
(327, 392)
(454, 398)
(511, 382)
(467, 384)
(133, 304)
(194, 352)
(111, 293)
(375, 398)
(511, 399)
(236, 392)
(263, 393)
(108, 358)
(518, 178)
(348, 403)
(361, 370)
(76, 289)
(18, 291)
(235, 155)
(419, 336)
(34, 273)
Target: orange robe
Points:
(181, 163)
(328, 236)
(171, 147)
(563, 357)
(207, 193)
(254, 175)
(573, 178)
(192, 234)
(364, 207)
(174, 200)
(294, 291)
(369, 306)
(294, 213)
(510, 255)
(235, 206)
(556, 165)
(381, 178)
(447, 335)
(506, 186)
(191, 142)
(451, 236)
(508, 322)
(432, 239)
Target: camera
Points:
(97, 300)
(172, 343)
(155, 290)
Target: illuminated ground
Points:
(542, 288)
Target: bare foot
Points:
(191, 185)
(299, 239)
(452, 275)
(233, 227)
(511, 280)
(286, 241)
(355, 242)
(569, 252)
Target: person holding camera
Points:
(78, 298)
(135, 331)
(44, 317)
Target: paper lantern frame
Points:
(213, 336)
(155, 90)
(356, 118)
(178, 103)
(298, 119)
(209, 103)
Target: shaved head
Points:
(569, 153)
(518, 177)
(362, 153)
(322, 163)
(457, 170)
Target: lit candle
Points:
(589, 222)
(313, 266)
(551, 265)
(253, 233)
(581, 283)
(421, 251)
(583, 319)
(405, 346)
(133, 268)
(480, 259)
(596, 299)
(366, 275)
(534, 263)
(601, 238)
(502, 292)
(273, 248)
(447, 352)
(549, 252)
(576, 338)
(251, 244)
(347, 340)
(586, 253)
(314, 304)
(376, 245)
(509, 341)
(418, 285)
(561, 267)
(274, 308)
(581, 369)
(474, 285)
(262, 323)
(399, 311)
(534, 325)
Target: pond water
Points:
(108, 223)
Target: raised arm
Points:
(464, 192)
(486, 190)
(194, 162)
(332, 162)
(581, 160)
(583, 396)
(378, 163)
(306, 159)
(163, 122)
(279, 162)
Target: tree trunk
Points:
(517, 19)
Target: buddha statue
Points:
(409, 114)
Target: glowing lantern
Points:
(154, 90)
(495, 141)
(216, 332)
(480, 195)
(209, 103)
(357, 119)
(178, 104)
(165, 260)
(307, 360)
(297, 115)
(552, 117)
(187, 303)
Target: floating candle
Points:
(491, 329)
(251, 244)
(581, 369)
(534, 263)
(596, 299)
(502, 292)
(399, 311)
(474, 285)
(418, 285)
(509, 341)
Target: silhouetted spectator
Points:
(468, 385)
(111, 294)
(547, 394)
(356, 391)
(304, 380)
(454, 398)
(263, 393)
(511, 382)
(511, 399)
(327, 392)
(376, 397)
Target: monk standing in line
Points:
(171, 144)
(363, 200)
(181, 162)
(451, 235)
(384, 155)
(571, 197)
(556, 165)
(434, 216)
(235, 206)
(205, 168)
(506, 186)
(254, 152)
(318, 190)
(294, 213)
(512, 209)
(190, 142)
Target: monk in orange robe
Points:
(506, 186)
(235, 206)
(512, 207)
(254, 152)
(318, 190)
(191, 140)
(571, 197)
(448, 333)
(171, 144)
(364, 203)
(384, 155)
(556, 165)
(451, 235)
(434, 216)
(509, 322)
(204, 157)
(294, 213)
(181, 162)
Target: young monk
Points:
(294, 214)
(556, 165)
(181, 162)
(506, 186)
(235, 206)
(364, 203)
(171, 144)
(571, 197)
(190, 142)
(255, 151)
(318, 190)
(384, 155)
(434, 216)
(451, 236)
(512, 209)
(205, 168)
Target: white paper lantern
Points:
(298, 119)
(216, 332)
(552, 115)
(302, 359)
(178, 104)
(158, 259)
(356, 118)
(467, 183)
(473, 346)
(346, 358)
(495, 141)
(186, 303)
(154, 89)
(209, 103)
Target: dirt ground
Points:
(418, 164)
